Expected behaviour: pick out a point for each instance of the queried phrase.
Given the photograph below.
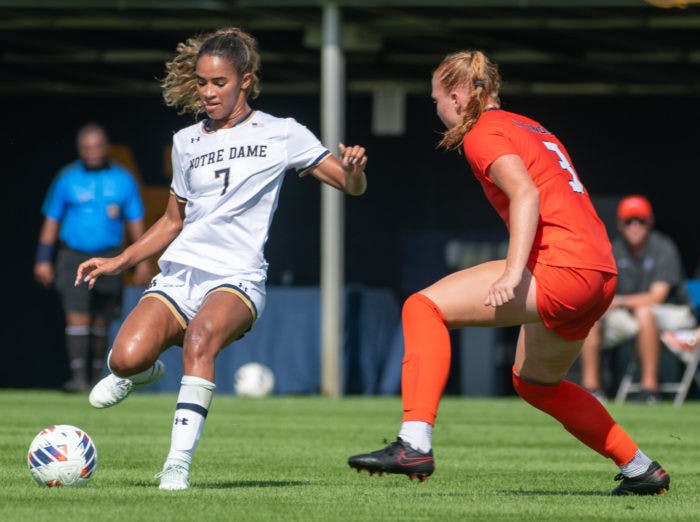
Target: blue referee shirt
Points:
(92, 205)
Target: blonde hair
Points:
(472, 68)
(232, 44)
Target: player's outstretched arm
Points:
(347, 173)
(154, 240)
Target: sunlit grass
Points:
(285, 459)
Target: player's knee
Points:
(419, 305)
(122, 364)
(200, 342)
(532, 392)
(130, 358)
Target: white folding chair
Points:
(629, 385)
(680, 388)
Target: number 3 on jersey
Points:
(574, 182)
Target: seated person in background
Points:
(650, 297)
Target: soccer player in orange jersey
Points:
(558, 278)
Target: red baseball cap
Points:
(634, 206)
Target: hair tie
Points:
(478, 83)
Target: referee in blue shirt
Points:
(89, 204)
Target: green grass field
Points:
(285, 459)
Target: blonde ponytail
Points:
(472, 68)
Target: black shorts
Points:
(104, 300)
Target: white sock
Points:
(417, 434)
(192, 407)
(635, 467)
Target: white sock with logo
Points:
(190, 413)
(417, 434)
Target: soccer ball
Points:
(62, 456)
(253, 380)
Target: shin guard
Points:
(426, 362)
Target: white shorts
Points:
(619, 324)
(183, 289)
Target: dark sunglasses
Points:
(639, 221)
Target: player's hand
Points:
(44, 273)
(353, 159)
(90, 270)
(502, 290)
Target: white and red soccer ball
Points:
(62, 456)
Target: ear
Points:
(460, 98)
(246, 80)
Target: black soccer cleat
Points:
(654, 481)
(397, 457)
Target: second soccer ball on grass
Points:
(253, 379)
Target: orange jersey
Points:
(569, 231)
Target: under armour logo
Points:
(182, 421)
(192, 140)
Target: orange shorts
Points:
(571, 300)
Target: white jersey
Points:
(231, 179)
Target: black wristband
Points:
(44, 253)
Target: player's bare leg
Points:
(222, 318)
(541, 363)
(453, 302)
(133, 361)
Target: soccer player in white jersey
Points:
(227, 174)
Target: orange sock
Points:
(582, 415)
(426, 361)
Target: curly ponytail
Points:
(180, 83)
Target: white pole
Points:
(332, 207)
